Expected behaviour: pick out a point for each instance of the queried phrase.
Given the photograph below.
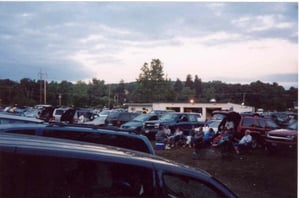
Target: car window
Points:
(271, 124)
(22, 131)
(59, 112)
(10, 121)
(194, 118)
(127, 142)
(261, 123)
(169, 117)
(155, 117)
(182, 186)
(247, 122)
(69, 177)
(218, 116)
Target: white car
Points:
(98, 121)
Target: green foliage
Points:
(151, 86)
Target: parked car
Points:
(84, 134)
(117, 118)
(98, 121)
(137, 123)
(43, 167)
(258, 127)
(72, 115)
(214, 124)
(282, 139)
(57, 113)
(173, 119)
(283, 119)
(46, 112)
(14, 119)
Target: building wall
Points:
(205, 109)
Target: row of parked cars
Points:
(265, 131)
(269, 130)
(62, 160)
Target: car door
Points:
(183, 185)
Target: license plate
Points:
(146, 131)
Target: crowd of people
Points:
(225, 139)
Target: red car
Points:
(283, 138)
(258, 126)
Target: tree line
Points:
(152, 85)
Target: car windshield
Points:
(104, 112)
(214, 124)
(218, 116)
(272, 124)
(293, 126)
(141, 118)
(100, 118)
(168, 117)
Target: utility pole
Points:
(42, 77)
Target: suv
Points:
(174, 119)
(258, 127)
(137, 123)
(283, 138)
(85, 134)
(60, 168)
(117, 118)
(57, 113)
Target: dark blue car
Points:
(83, 133)
(33, 166)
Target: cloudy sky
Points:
(231, 42)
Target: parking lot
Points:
(256, 174)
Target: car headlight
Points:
(291, 137)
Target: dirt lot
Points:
(255, 174)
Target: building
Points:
(205, 109)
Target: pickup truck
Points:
(173, 119)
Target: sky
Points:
(232, 42)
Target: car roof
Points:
(17, 117)
(125, 135)
(37, 145)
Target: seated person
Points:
(208, 136)
(197, 138)
(161, 136)
(244, 142)
(177, 136)
(189, 138)
(221, 138)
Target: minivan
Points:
(85, 134)
(33, 166)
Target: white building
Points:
(205, 109)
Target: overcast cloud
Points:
(110, 41)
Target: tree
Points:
(120, 95)
(197, 86)
(151, 83)
(96, 93)
(189, 82)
